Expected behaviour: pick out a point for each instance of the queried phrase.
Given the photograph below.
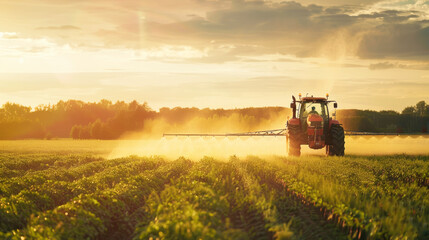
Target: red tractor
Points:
(313, 126)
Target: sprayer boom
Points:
(267, 133)
(275, 132)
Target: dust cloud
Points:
(380, 145)
(197, 147)
(232, 122)
(223, 147)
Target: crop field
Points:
(67, 195)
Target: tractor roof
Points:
(313, 99)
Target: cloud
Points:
(14, 45)
(62, 27)
(392, 16)
(285, 28)
(417, 6)
(406, 41)
(385, 65)
(390, 65)
(384, 30)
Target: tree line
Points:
(413, 119)
(108, 120)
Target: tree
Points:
(96, 129)
(14, 112)
(409, 110)
(75, 131)
(421, 108)
(84, 132)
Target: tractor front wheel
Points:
(294, 145)
(337, 140)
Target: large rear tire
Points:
(337, 137)
(294, 145)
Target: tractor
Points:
(312, 125)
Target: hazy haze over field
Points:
(218, 147)
(215, 53)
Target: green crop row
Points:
(15, 165)
(273, 198)
(14, 185)
(216, 200)
(103, 214)
(16, 209)
(357, 201)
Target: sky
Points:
(366, 54)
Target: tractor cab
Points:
(313, 111)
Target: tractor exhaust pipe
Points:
(293, 106)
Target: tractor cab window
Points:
(313, 108)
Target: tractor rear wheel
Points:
(294, 145)
(337, 138)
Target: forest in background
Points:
(414, 119)
(108, 120)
